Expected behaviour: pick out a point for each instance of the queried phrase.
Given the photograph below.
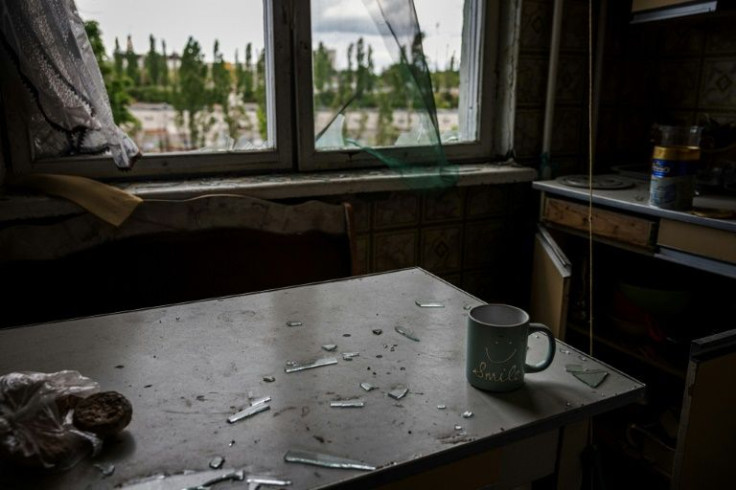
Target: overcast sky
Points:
(234, 23)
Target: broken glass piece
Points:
(354, 403)
(398, 393)
(407, 332)
(467, 414)
(592, 378)
(458, 427)
(348, 356)
(329, 347)
(583, 358)
(254, 482)
(232, 476)
(248, 412)
(107, 469)
(377, 331)
(313, 363)
(217, 462)
(441, 406)
(325, 460)
(429, 304)
(294, 323)
(260, 401)
(467, 307)
(269, 379)
(564, 351)
(367, 386)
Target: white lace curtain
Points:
(69, 111)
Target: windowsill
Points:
(281, 186)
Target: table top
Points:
(186, 368)
(636, 199)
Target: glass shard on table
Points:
(591, 377)
(377, 331)
(248, 412)
(325, 460)
(467, 414)
(260, 401)
(232, 476)
(406, 332)
(348, 356)
(367, 386)
(354, 403)
(255, 482)
(399, 392)
(217, 462)
(329, 347)
(310, 364)
(294, 323)
(429, 304)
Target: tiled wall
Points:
(474, 237)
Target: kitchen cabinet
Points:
(663, 305)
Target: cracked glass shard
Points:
(232, 476)
(406, 332)
(441, 406)
(458, 427)
(107, 469)
(294, 323)
(269, 379)
(377, 331)
(326, 460)
(254, 482)
(260, 401)
(399, 392)
(591, 377)
(217, 462)
(329, 347)
(367, 386)
(429, 304)
(310, 364)
(348, 356)
(467, 414)
(248, 412)
(353, 403)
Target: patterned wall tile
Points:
(528, 126)
(677, 84)
(440, 249)
(610, 80)
(572, 79)
(362, 254)
(395, 250)
(485, 243)
(485, 284)
(681, 41)
(574, 36)
(445, 206)
(718, 87)
(566, 130)
(536, 24)
(487, 201)
(637, 82)
(400, 209)
(607, 123)
(532, 81)
(721, 40)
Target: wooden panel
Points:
(608, 224)
(696, 239)
(550, 285)
(706, 442)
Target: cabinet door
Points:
(551, 272)
(706, 442)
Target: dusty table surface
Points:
(186, 368)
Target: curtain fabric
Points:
(69, 113)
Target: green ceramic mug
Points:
(496, 347)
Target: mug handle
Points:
(544, 364)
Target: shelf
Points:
(632, 350)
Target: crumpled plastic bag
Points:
(36, 419)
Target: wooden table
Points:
(186, 368)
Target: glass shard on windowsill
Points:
(591, 377)
(354, 403)
(406, 332)
(294, 367)
(325, 460)
(248, 412)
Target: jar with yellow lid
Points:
(674, 165)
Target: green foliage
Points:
(153, 63)
(131, 64)
(192, 96)
(260, 95)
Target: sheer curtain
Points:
(69, 111)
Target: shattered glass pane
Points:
(248, 412)
(354, 403)
(399, 392)
(325, 460)
(406, 332)
(311, 364)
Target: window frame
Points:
(495, 32)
